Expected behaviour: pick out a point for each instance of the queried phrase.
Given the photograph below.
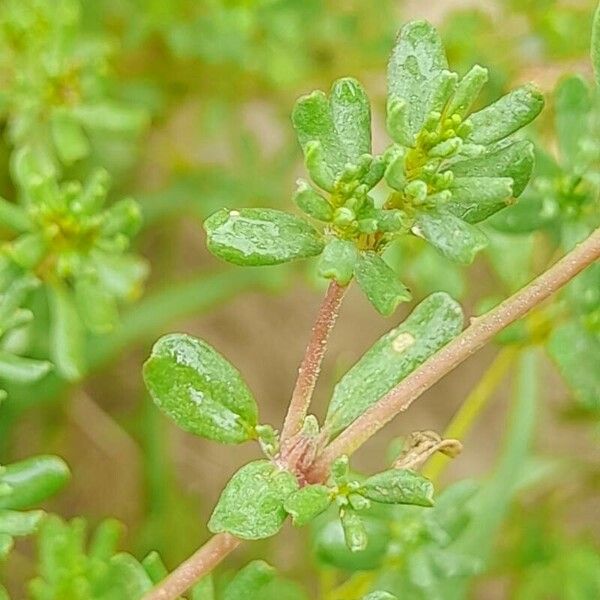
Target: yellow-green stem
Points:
(471, 408)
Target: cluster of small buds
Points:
(346, 494)
(417, 172)
(350, 210)
(62, 223)
(345, 490)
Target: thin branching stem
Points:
(310, 367)
(481, 331)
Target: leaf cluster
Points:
(447, 170)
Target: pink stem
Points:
(194, 568)
(310, 367)
(481, 330)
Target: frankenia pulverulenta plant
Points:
(57, 94)
(448, 169)
(76, 248)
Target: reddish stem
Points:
(310, 367)
(195, 567)
(481, 330)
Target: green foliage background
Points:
(186, 105)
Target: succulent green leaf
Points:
(398, 486)
(351, 114)
(96, 305)
(595, 52)
(70, 141)
(340, 124)
(125, 579)
(250, 581)
(105, 540)
(204, 589)
(121, 274)
(306, 503)
(467, 91)
(94, 192)
(28, 250)
(123, 217)
(155, 567)
(573, 104)
(355, 532)
(338, 260)
(14, 217)
(260, 236)
(431, 325)
(13, 296)
(533, 211)
(514, 160)
(32, 480)
(316, 165)
(397, 122)
(6, 544)
(476, 198)
(444, 88)
(340, 469)
(67, 343)
(312, 203)
(331, 550)
(110, 116)
(380, 283)
(576, 352)
(22, 370)
(251, 506)
(200, 390)
(16, 523)
(507, 115)
(453, 237)
(414, 71)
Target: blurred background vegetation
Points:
(187, 105)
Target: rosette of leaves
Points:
(24, 485)
(78, 249)
(562, 199)
(451, 168)
(57, 97)
(13, 367)
(448, 169)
